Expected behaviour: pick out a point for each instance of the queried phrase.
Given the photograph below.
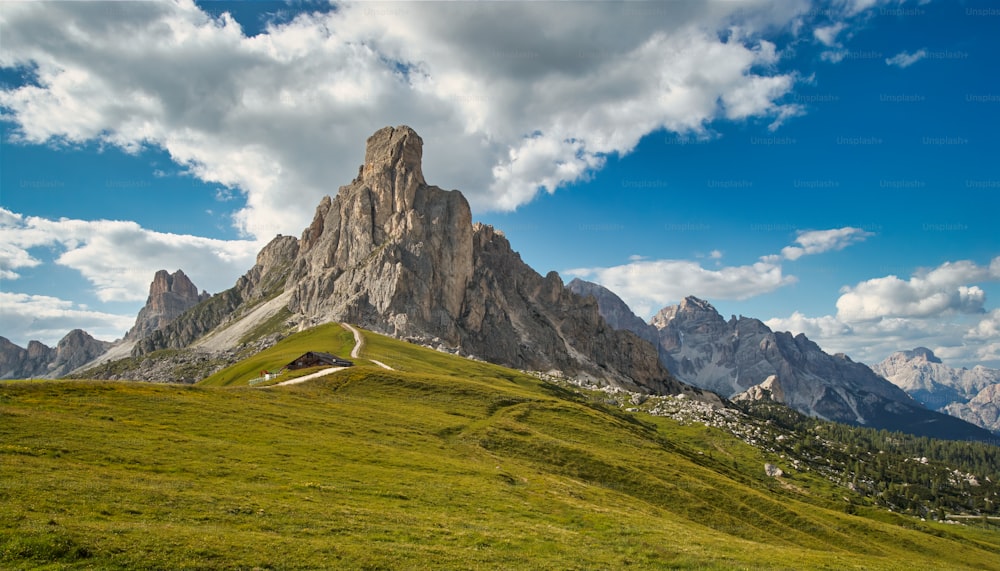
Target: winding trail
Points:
(359, 342)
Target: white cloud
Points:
(904, 60)
(827, 35)
(944, 289)
(988, 327)
(939, 308)
(119, 258)
(48, 319)
(509, 97)
(819, 241)
(813, 327)
(647, 286)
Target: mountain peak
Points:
(169, 296)
(692, 304)
(394, 153)
(921, 354)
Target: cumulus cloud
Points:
(48, 319)
(819, 241)
(119, 258)
(988, 327)
(511, 99)
(945, 289)
(647, 286)
(904, 59)
(941, 308)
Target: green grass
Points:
(329, 338)
(446, 463)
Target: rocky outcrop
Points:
(393, 254)
(614, 310)
(169, 296)
(265, 280)
(744, 360)
(40, 361)
(388, 251)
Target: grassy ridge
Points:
(445, 463)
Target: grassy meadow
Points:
(443, 463)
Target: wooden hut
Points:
(318, 359)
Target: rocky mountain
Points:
(41, 361)
(982, 409)
(614, 310)
(169, 296)
(936, 385)
(741, 358)
(970, 394)
(393, 254)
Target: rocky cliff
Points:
(982, 409)
(169, 296)
(266, 279)
(40, 361)
(614, 310)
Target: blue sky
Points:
(828, 167)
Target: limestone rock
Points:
(391, 253)
(169, 296)
(266, 278)
(615, 311)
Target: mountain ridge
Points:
(969, 394)
(742, 358)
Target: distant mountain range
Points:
(393, 254)
(741, 358)
(970, 394)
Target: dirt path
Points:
(359, 342)
(315, 375)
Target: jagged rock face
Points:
(266, 278)
(936, 385)
(388, 248)
(731, 356)
(393, 254)
(513, 315)
(40, 361)
(169, 296)
(969, 394)
(614, 310)
(982, 410)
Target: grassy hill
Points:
(443, 463)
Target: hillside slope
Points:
(446, 460)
